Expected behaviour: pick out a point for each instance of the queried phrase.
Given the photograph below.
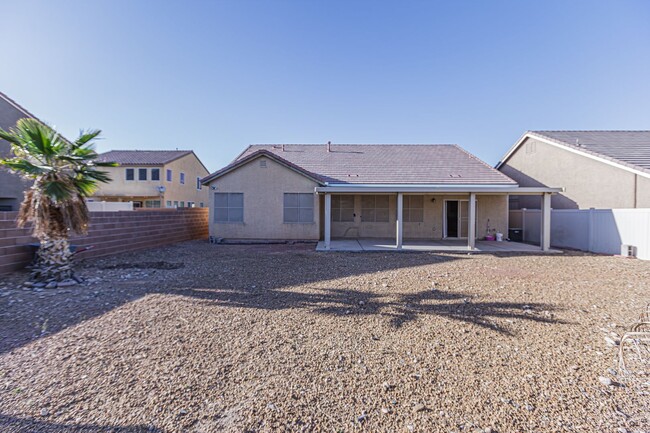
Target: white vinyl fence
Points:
(596, 230)
(109, 206)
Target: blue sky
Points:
(216, 76)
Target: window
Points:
(298, 208)
(175, 203)
(190, 204)
(182, 178)
(413, 208)
(182, 204)
(374, 208)
(228, 207)
(169, 175)
(169, 203)
(343, 208)
(142, 174)
(201, 204)
(198, 183)
(155, 174)
(130, 174)
(152, 203)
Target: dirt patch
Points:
(281, 338)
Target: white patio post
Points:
(328, 220)
(471, 221)
(400, 225)
(546, 222)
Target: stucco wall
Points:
(263, 190)
(643, 192)
(11, 184)
(492, 207)
(588, 183)
(122, 190)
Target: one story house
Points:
(597, 169)
(325, 192)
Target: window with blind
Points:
(374, 208)
(298, 207)
(413, 208)
(343, 208)
(228, 207)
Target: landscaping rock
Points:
(256, 338)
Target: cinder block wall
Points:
(109, 233)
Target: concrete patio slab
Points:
(357, 245)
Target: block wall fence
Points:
(109, 233)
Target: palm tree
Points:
(64, 174)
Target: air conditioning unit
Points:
(628, 250)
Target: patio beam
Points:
(546, 222)
(328, 220)
(400, 225)
(471, 221)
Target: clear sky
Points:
(215, 76)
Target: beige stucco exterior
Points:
(264, 187)
(492, 207)
(588, 183)
(120, 189)
(12, 185)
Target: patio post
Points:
(400, 225)
(328, 220)
(471, 221)
(546, 222)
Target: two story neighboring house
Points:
(597, 169)
(12, 185)
(154, 178)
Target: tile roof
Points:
(142, 157)
(382, 163)
(629, 148)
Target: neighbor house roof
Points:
(378, 164)
(628, 149)
(11, 120)
(142, 157)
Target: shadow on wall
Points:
(31, 425)
(252, 277)
(558, 201)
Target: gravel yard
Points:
(204, 338)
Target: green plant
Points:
(64, 174)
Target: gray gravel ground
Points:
(204, 338)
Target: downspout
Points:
(636, 182)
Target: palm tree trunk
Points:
(53, 261)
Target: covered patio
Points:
(447, 245)
(468, 242)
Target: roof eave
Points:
(259, 154)
(439, 188)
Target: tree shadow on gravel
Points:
(263, 277)
(399, 309)
(32, 425)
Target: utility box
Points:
(628, 250)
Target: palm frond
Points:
(86, 137)
(64, 174)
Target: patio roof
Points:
(448, 189)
